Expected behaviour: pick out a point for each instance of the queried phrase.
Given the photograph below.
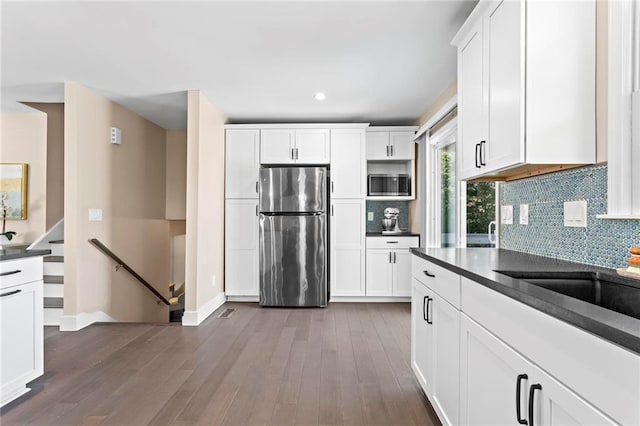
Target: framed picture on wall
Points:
(13, 190)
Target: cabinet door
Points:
(241, 248)
(379, 273)
(378, 146)
(421, 336)
(402, 145)
(242, 163)
(556, 405)
(489, 372)
(276, 146)
(401, 273)
(471, 102)
(505, 145)
(313, 146)
(446, 361)
(348, 166)
(347, 248)
(21, 338)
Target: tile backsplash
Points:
(377, 207)
(603, 242)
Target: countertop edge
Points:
(604, 331)
(24, 254)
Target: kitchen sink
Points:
(609, 291)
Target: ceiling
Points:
(379, 62)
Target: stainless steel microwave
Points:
(389, 185)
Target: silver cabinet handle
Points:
(4, 274)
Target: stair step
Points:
(53, 302)
(53, 279)
(53, 259)
(56, 242)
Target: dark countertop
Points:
(479, 264)
(20, 251)
(403, 234)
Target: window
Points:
(624, 110)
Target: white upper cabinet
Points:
(348, 168)
(277, 146)
(295, 146)
(389, 143)
(312, 146)
(242, 163)
(526, 87)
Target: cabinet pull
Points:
(424, 310)
(392, 150)
(429, 274)
(429, 320)
(10, 293)
(387, 150)
(296, 154)
(331, 209)
(532, 390)
(257, 190)
(521, 377)
(395, 257)
(392, 242)
(4, 274)
(390, 258)
(331, 186)
(477, 149)
(292, 157)
(482, 150)
(256, 210)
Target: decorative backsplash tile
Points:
(603, 242)
(377, 207)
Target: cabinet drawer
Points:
(392, 243)
(440, 280)
(20, 271)
(600, 372)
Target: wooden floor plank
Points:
(347, 364)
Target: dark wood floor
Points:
(343, 365)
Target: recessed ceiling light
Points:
(320, 96)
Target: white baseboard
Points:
(243, 299)
(369, 299)
(82, 320)
(194, 318)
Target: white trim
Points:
(445, 136)
(298, 126)
(195, 318)
(392, 129)
(243, 299)
(55, 233)
(82, 320)
(619, 216)
(368, 299)
(439, 115)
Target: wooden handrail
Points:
(121, 263)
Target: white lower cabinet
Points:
(389, 265)
(499, 386)
(241, 248)
(21, 327)
(347, 248)
(421, 336)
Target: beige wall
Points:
(128, 183)
(204, 274)
(176, 206)
(55, 160)
(24, 140)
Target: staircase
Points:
(54, 283)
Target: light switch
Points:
(370, 216)
(524, 214)
(506, 215)
(575, 214)
(95, 215)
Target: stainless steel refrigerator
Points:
(293, 236)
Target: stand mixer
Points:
(390, 221)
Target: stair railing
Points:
(122, 264)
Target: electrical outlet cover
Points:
(506, 215)
(370, 216)
(524, 214)
(575, 214)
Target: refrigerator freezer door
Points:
(292, 189)
(293, 260)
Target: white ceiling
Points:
(379, 62)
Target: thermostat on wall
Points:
(116, 136)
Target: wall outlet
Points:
(506, 215)
(370, 216)
(524, 214)
(116, 136)
(95, 215)
(575, 214)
